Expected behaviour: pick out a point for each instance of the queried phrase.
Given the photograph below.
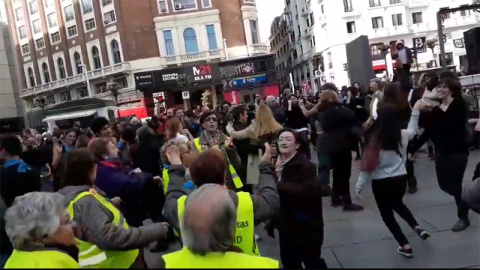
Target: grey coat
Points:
(265, 202)
(96, 225)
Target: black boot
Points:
(326, 191)
(336, 201)
(348, 206)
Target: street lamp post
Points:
(84, 68)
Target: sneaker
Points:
(352, 208)
(412, 190)
(407, 253)
(422, 233)
(461, 225)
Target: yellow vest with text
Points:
(244, 234)
(90, 255)
(186, 259)
(236, 180)
(43, 259)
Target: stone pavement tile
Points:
(442, 250)
(427, 197)
(364, 229)
(444, 216)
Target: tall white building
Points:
(326, 26)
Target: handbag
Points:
(371, 158)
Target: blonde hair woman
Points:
(263, 129)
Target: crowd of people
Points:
(205, 178)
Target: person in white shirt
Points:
(175, 131)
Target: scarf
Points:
(281, 164)
(212, 140)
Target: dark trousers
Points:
(342, 166)
(388, 193)
(304, 144)
(450, 169)
(294, 253)
(411, 179)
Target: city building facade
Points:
(279, 42)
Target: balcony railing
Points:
(462, 21)
(417, 3)
(393, 2)
(351, 12)
(258, 49)
(76, 79)
(305, 12)
(391, 31)
(422, 27)
(191, 57)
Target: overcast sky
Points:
(267, 11)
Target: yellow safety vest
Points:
(92, 256)
(244, 234)
(166, 180)
(44, 259)
(186, 259)
(236, 180)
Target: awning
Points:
(70, 115)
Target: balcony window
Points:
(52, 19)
(68, 10)
(109, 17)
(90, 24)
(31, 77)
(82, 92)
(50, 99)
(190, 37)
(55, 37)
(65, 96)
(32, 5)
(117, 58)
(49, 3)
(106, 2)
(46, 73)
(40, 43)
(207, 3)
(19, 14)
(97, 64)
(212, 38)
(351, 27)
(22, 32)
(312, 18)
(122, 82)
(162, 6)
(72, 31)
(417, 17)
(87, 6)
(329, 57)
(100, 88)
(375, 3)
(25, 49)
(184, 4)
(167, 36)
(37, 26)
(254, 31)
(397, 19)
(347, 5)
(464, 13)
(377, 22)
(61, 68)
(78, 63)
(392, 2)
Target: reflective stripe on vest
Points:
(186, 259)
(244, 234)
(41, 259)
(91, 255)
(236, 180)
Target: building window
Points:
(33, 7)
(122, 82)
(46, 73)
(65, 96)
(207, 3)
(61, 68)
(417, 17)
(37, 26)
(162, 6)
(19, 14)
(254, 31)
(87, 6)
(184, 4)
(82, 92)
(40, 43)
(347, 5)
(100, 88)
(397, 19)
(97, 64)
(190, 37)
(72, 31)
(329, 57)
(55, 37)
(68, 10)
(167, 36)
(31, 77)
(106, 2)
(375, 3)
(117, 58)
(351, 27)
(78, 63)
(377, 22)
(464, 13)
(212, 38)
(25, 48)
(52, 19)
(50, 99)
(109, 17)
(49, 3)
(90, 24)
(22, 32)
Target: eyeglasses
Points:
(211, 119)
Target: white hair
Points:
(32, 217)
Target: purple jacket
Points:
(409, 55)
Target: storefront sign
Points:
(144, 80)
(459, 43)
(419, 44)
(248, 81)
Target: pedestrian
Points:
(102, 128)
(149, 151)
(297, 121)
(278, 113)
(82, 141)
(191, 123)
(131, 156)
(404, 61)
(176, 131)
(59, 151)
(376, 86)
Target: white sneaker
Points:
(258, 237)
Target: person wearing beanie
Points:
(404, 58)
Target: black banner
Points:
(419, 44)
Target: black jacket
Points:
(337, 122)
(278, 114)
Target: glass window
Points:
(55, 37)
(377, 22)
(78, 62)
(65, 96)
(26, 48)
(167, 36)
(52, 19)
(117, 58)
(162, 5)
(109, 17)
(37, 26)
(31, 77)
(397, 19)
(351, 27)
(50, 99)
(100, 88)
(22, 32)
(72, 31)
(375, 3)
(49, 3)
(106, 2)
(254, 31)
(69, 13)
(19, 14)
(190, 37)
(90, 24)
(417, 17)
(82, 92)
(87, 6)
(46, 73)
(33, 7)
(61, 68)
(96, 58)
(40, 43)
(347, 5)
(212, 38)
(464, 13)
(207, 3)
(122, 81)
